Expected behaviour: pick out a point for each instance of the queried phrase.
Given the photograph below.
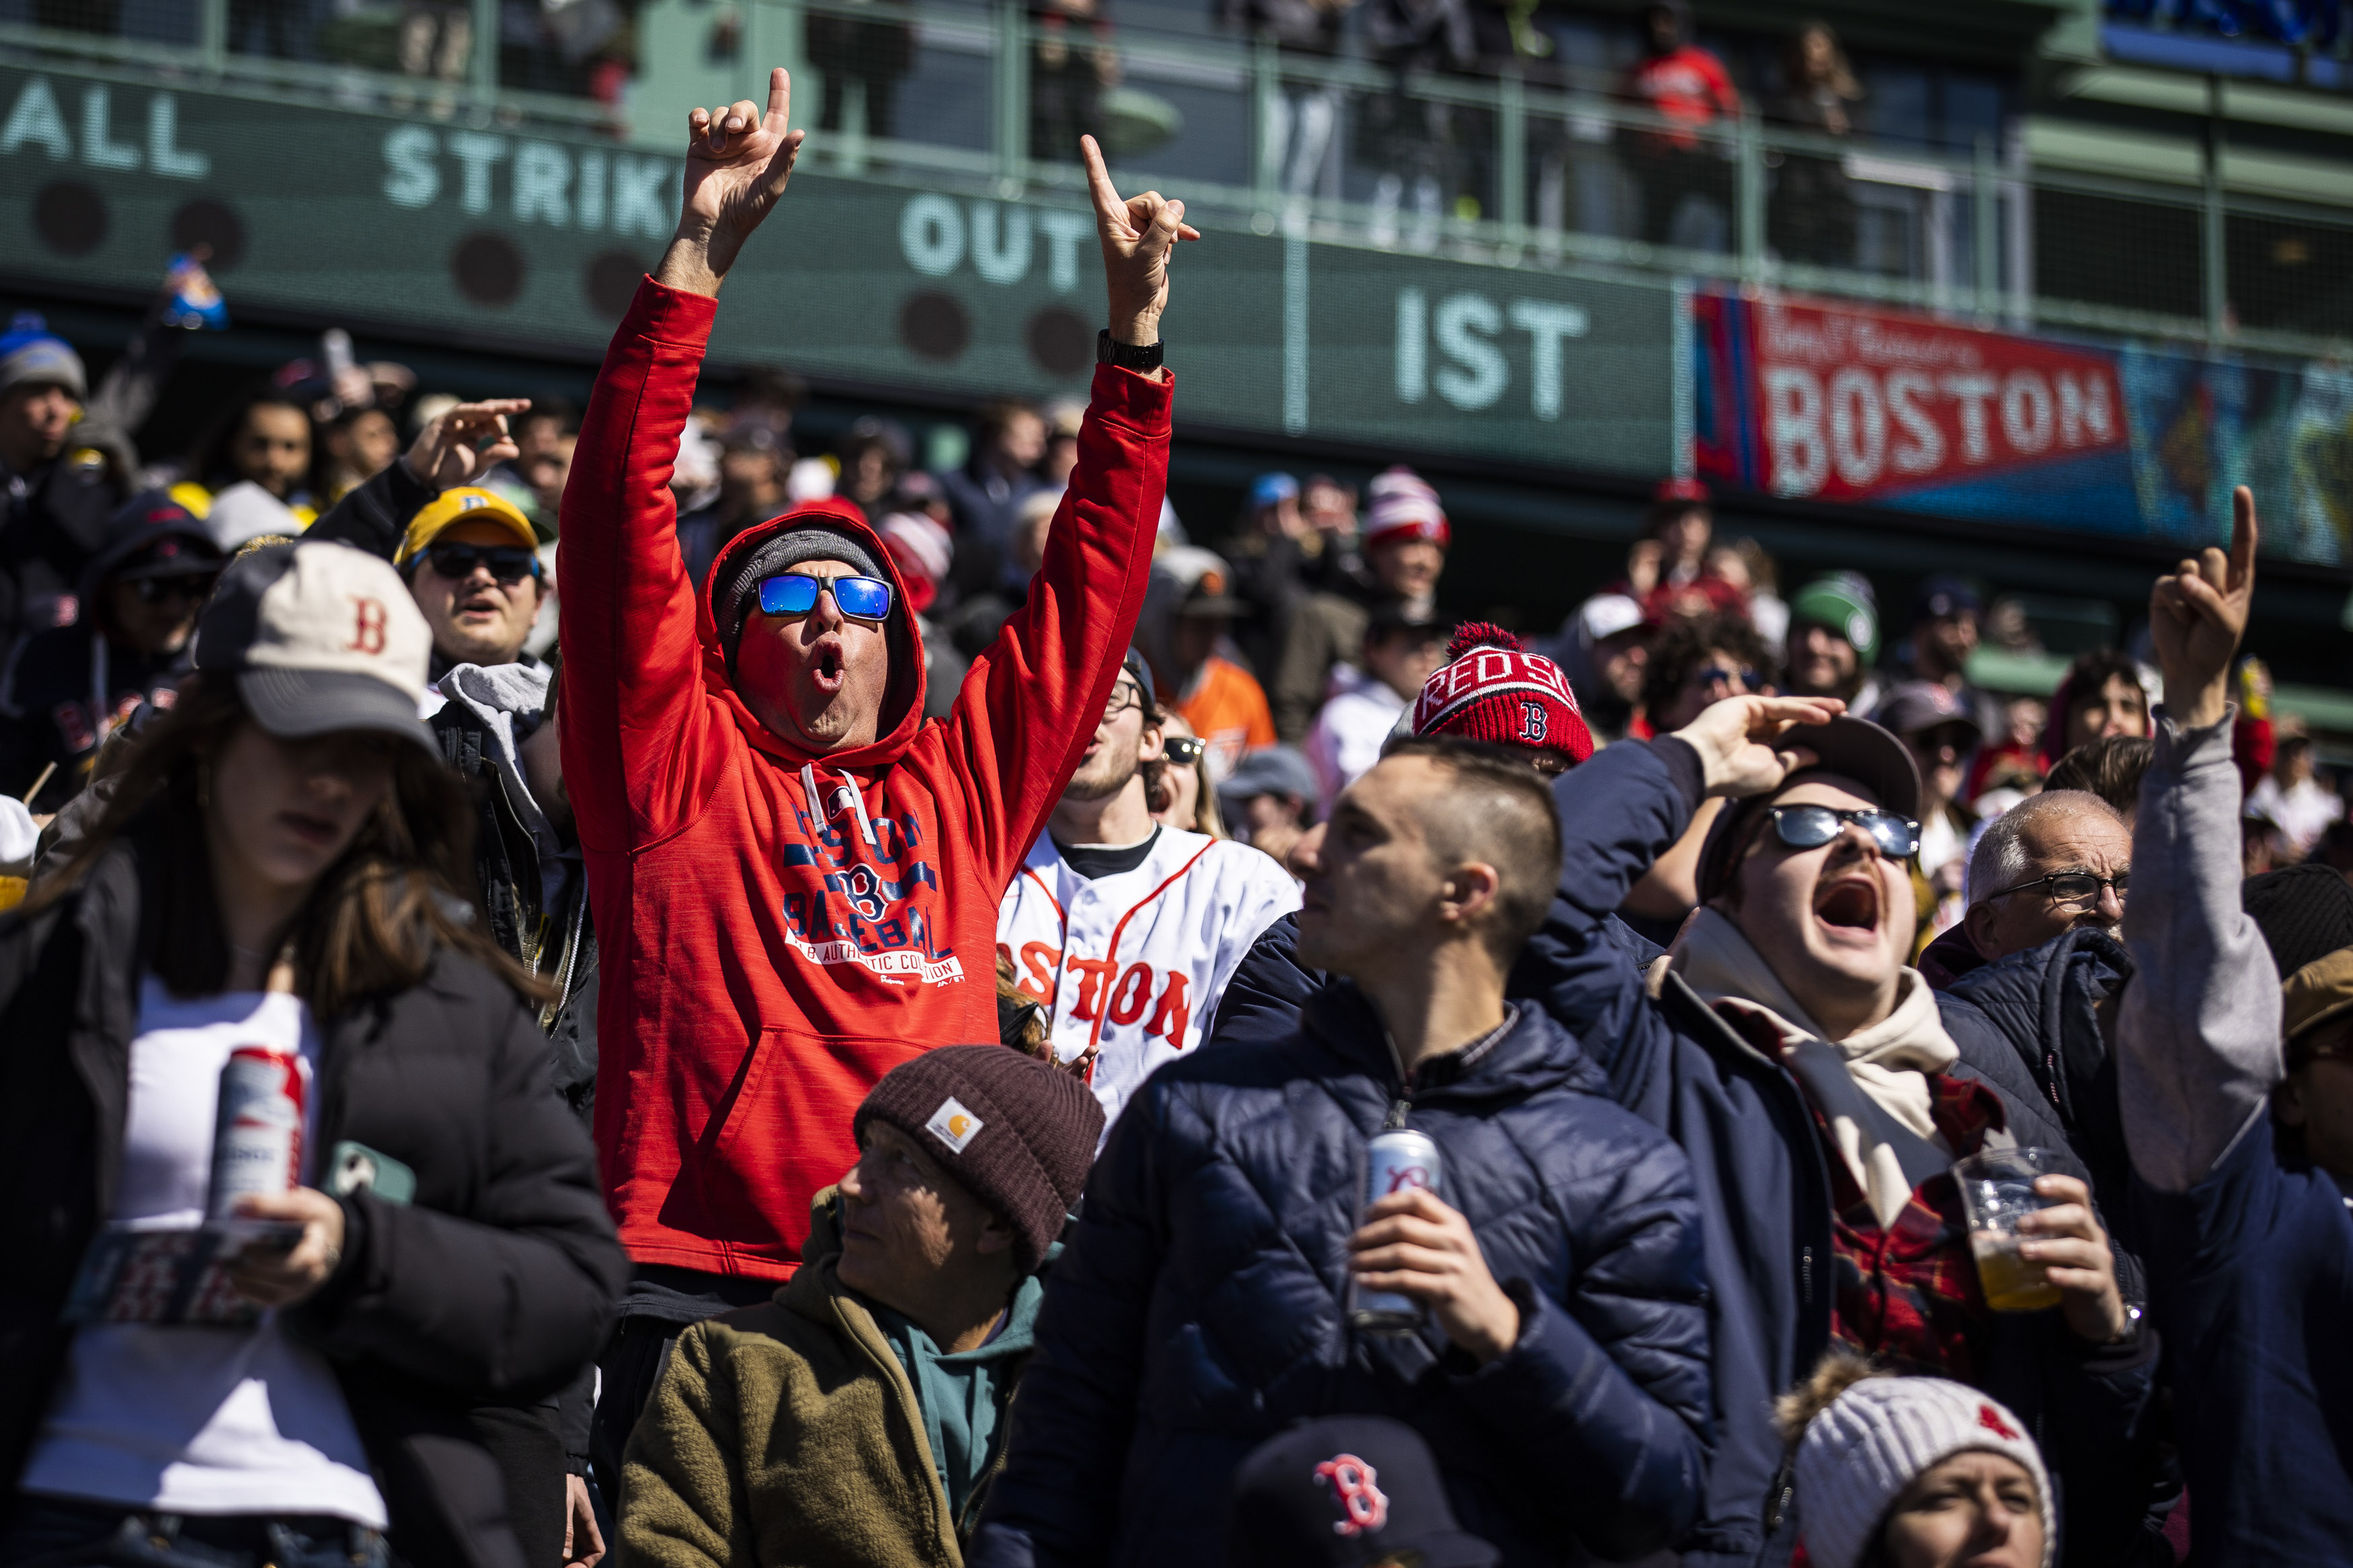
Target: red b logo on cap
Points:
(1363, 1505)
(370, 622)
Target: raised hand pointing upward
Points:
(2198, 612)
(737, 160)
(1138, 235)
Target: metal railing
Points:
(1516, 166)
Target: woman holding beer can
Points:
(249, 1022)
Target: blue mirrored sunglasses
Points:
(1811, 827)
(861, 598)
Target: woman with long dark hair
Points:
(285, 863)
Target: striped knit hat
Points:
(1492, 689)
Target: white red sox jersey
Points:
(1128, 966)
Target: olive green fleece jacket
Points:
(789, 1436)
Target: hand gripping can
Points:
(257, 1130)
(1395, 1161)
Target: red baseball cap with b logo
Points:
(320, 637)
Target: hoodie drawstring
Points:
(857, 801)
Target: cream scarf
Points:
(1872, 1087)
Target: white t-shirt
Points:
(1349, 732)
(185, 1419)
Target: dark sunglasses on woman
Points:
(507, 563)
(1811, 827)
(195, 587)
(1183, 750)
(859, 598)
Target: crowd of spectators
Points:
(811, 1010)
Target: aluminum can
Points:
(257, 1130)
(1395, 1162)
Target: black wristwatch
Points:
(1142, 358)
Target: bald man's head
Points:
(2051, 863)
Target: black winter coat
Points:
(1197, 1309)
(495, 1284)
(1765, 1187)
(2031, 1023)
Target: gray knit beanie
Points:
(734, 602)
(1017, 1133)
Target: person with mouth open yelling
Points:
(1804, 1067)
(795, 879)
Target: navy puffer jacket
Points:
(1197, 1309)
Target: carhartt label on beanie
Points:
(1017, 1133)
(954, 1125)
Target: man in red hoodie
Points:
(795, 879)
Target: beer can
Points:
(1395, 1162)
(258, 1130)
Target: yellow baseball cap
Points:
(463, 506)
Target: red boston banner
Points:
(1856, 405)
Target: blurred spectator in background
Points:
(1406, 537)
(1063, 417)
(56, 504)
(1072, 64)
(1269, 800)
(2110, 768)
(471, 562)
(919, 547)
(68, 687)
(2261, 846)
(354, 447)
(1401, 651)
(1744, 564)
(1185, 614)
(1833, 637)
(1698, 661)
(2006, 628)
(1333, 552)
(2010, 751)
(752, 463)
(2101, 695)
(2293, 798)
(1605, 650)
(1694, 663)
(1668, 571)
(2254, 735)
(1264, 551)
(258, 455)
(1301, 116)
(873, 456)
(1182, 794)
(1941, 733)
(987, 492)
(1685, 177)
(1945, 615)
(436, 41)
(1812, 217)
(871, 51)
(978, 616)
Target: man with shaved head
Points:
(1205, 1298)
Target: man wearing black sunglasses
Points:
(141, 595)
(471, 560)
(794, 876)
(1811, 1074)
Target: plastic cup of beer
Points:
(1998, 1191)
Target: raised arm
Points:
(455, 447)
(1026, 712)
(637, 734)
(2197, 1042)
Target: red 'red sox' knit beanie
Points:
(1492, 689)
(1019, 1134)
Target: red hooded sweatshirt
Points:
(778, 930)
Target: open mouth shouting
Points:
(1849, 902)
(826, 665)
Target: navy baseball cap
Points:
(1347, 1491)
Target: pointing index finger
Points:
(2245, 534)
(780, 99)
(1106, 195)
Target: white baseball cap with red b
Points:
(320, 637)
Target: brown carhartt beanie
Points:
(1017, 1133)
